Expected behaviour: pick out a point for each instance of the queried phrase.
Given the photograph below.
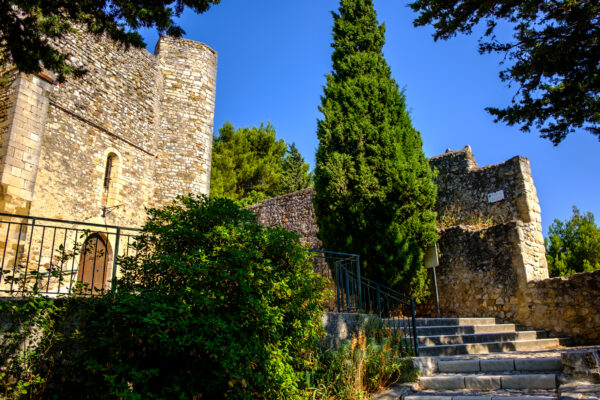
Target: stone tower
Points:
(134, 132)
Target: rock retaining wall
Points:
(492, 256)
(294, 212)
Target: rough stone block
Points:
(427, 397)
(498, 364)
(443, 382)
(472, 397)
(582, 364)
(459, 366)
(538, 364)
(529, 381)
(483, 382)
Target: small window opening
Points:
(107, 173)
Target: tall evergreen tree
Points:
(295, 171)
(375, 193)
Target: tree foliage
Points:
(374, 189)
(574, 245)
(29, 27)
(250, 165)
(212, 305)
(555, 54)
(295, 174)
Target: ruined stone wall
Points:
(486, 196)
(492, 257)
(567, 306)
(476, 276)
(294, 212)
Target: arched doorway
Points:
(94, 261)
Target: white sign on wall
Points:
(495, 196)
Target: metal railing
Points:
(356, 294)
(56, 257)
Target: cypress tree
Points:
(375, 193)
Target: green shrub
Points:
(213, 305)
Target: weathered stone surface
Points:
(152, 113)
(294, 212)
(459, 366)
(492, 261)
(532, 381)
(582, 364)
(497, 365)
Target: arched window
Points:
(108, 171)
(110, 184)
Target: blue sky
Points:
(274, 55)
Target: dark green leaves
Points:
(554, 54)
(27, 27)
(250, 165)
(375, 192)
(574, 245)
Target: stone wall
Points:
(479, 197)
(294, 212)
(567, 306)
(189, 79)
(492, 257)
(151, 114)
(476, 276)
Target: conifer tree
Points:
(375, 193)
(295, 174)
(247, 164)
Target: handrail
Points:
(63, 221)
(354, 293)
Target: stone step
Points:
(454, 321)
(489, 382)
(468, 394)
(553, 364)
(481, 337)
(492, 347)
(466, 329)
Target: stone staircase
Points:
(454, 336)
(479, 359)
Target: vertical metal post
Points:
(347, 291)
(414, 327)
(113, 282)
(435, 291)
(358, 282)
(338, 288)
(378, 300)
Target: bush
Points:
(212, 305)
(374, 359)
(573, 246)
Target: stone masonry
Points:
(151, 114)
(492, 256)
(133, 133)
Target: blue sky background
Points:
(274, 55)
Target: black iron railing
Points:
(55, 257)
(356, 294)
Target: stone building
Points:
(134, 132)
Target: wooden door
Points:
(93, 262)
